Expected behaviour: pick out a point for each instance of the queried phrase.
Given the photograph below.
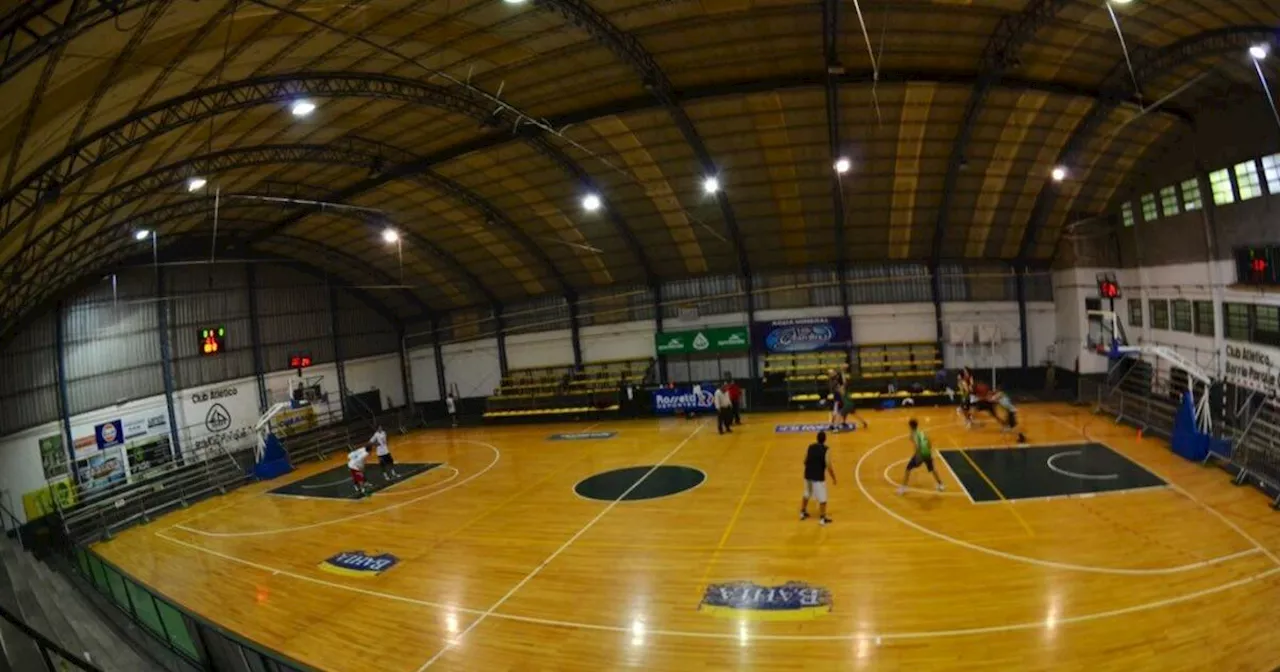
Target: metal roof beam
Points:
(1001, 54)
(626, 47)
(830, 42)
(35, 28)
(1148, 64)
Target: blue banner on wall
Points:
(805, 334)
(681, 399)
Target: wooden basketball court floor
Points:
(501, 566)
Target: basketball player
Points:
(385, 462)
(923, 455)
(355, 462)
(846, 406)
(1010, 423)
(817, 465)
(964, 383)
(835, 393)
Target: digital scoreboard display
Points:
(212, 341)
(1108, 289)
(299, 360)
(1255, 265)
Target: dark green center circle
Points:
(608, 486)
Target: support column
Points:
(255, 337)
(166, 364)
(406, 377)
(1209, 219)
(1021, 276)
(753, 366)
(935, 287)
(438, 354)
(64, 399)
(575, 331)
(337, 350)
(501, 330)
(658, 327)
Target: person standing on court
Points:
(923, 456)
(735, 397)
(724, 409)
(452, 405)
(817, 465)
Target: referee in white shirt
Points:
(724, 410)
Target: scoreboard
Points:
(1256, 265)
(212, 341)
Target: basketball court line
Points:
(1077, 495)
(1071, 474)
(388, 491)
(945, 493)
(497, 455)
(451, 643)
(735, 636)
(987, 479)
(733, 520)
(1084, 431)
(857, 477)
(574, 489)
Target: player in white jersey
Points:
(355, 462)
(387, 463)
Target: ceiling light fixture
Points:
(1259, 51)
(711, 185)
(196, 183)
(390, 235)
(1121, 2)
(842, 165)
(1059, 174)
(591, 202)
(514, 2)
(141, 234)
(302, 108)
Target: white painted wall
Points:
(893, 323)
(380, 373)
(422, 368)
(1070, 289)
(625, 340)
(472, 367)
(545, 348)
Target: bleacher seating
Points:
(803, 376)
(562, 390)
(898, 360)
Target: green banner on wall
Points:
(711, 341)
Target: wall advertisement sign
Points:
(714, 340)
(806, 334)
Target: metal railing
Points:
(197, 642)
(27, 649)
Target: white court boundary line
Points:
(857, 477)
(497, 455)
(948, 493)
(387, 492)
(1177, 488)
(449, 644)
(550, 622)
(1088, 477)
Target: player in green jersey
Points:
(923, 455)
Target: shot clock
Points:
(212, 341)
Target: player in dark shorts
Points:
(923, 455)
(1010, 421)
(964, 384)
(846, 406)
(817, 465)
(835, 394)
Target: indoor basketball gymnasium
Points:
(578, 335)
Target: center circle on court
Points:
(626, 484)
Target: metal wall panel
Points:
(710, 295)
(203, 297)
(293, 315)
(29, 384)
(362, 331)
(113, 352)
(548, 313)
(1039, 285)
(611, 306)
(889, 283)
(796, 289)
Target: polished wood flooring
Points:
(503, 567)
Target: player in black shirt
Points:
(817, 464)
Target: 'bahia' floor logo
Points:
(359, 563)
(792, 601)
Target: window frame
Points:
(1159, 318)
(1270, 334)
(1169, 195)
(1136, 314)
(1271, 173)
(1150, 208)
(1126, 215)
(1241, 314)
(1202, 323)
(1228, 195)
(1180, 316)
(1249, 185)
(1192, 199)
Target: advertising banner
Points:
(806, 334)
(682, 399)
(121, 448)
(220, 418)
(40, 503)
(715, 340)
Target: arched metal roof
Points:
(476, 126)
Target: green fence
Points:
(199, 643)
